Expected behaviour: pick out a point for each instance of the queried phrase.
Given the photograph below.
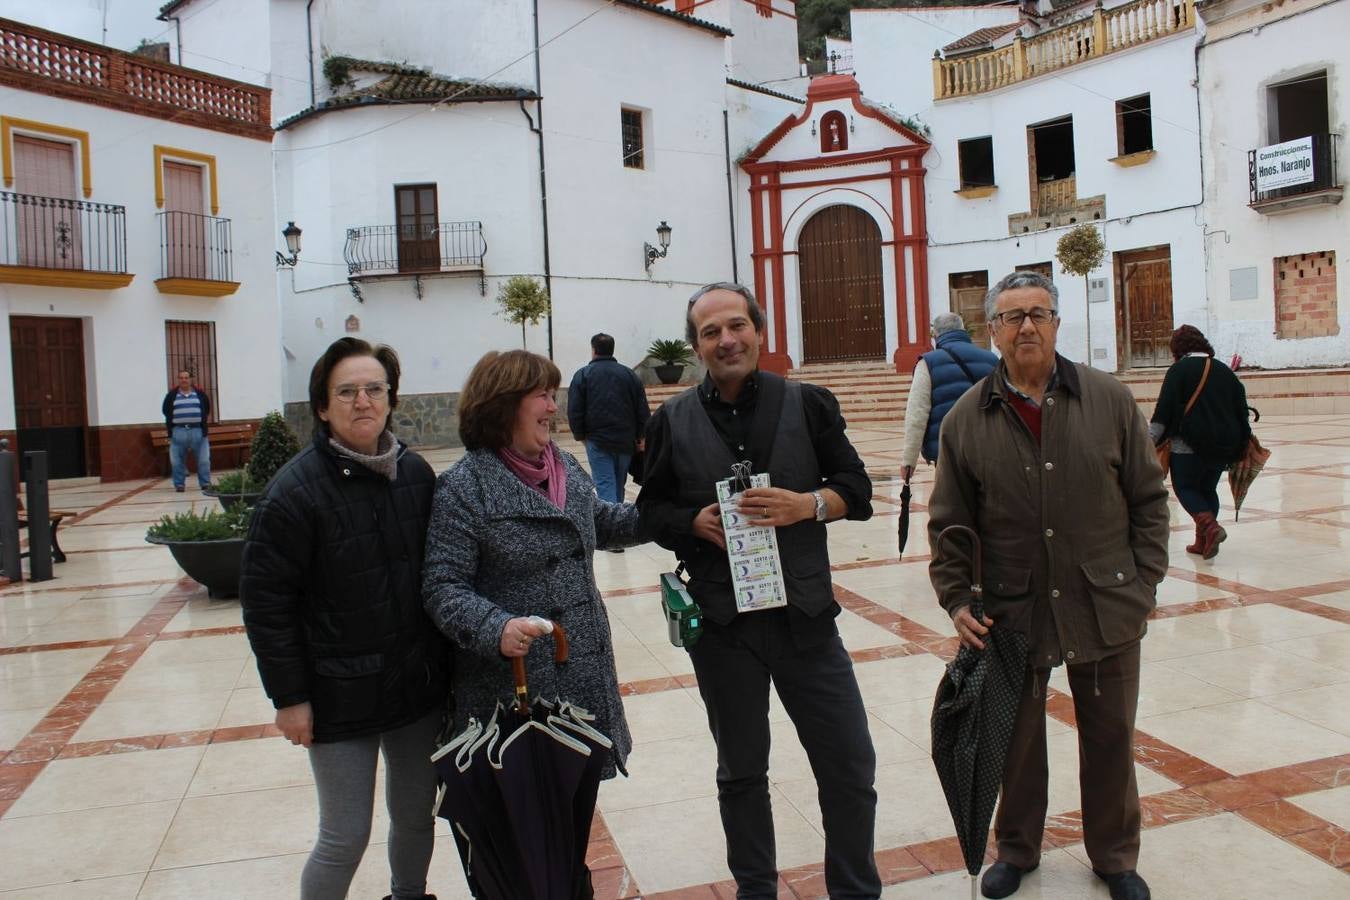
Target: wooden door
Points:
(48, 226)
(184, 221)
(1145, 292)
(842, 300)
(418, 244)
(49, 398)
(968, 303)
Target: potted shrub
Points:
(209, 546)
(271, 447)
(673, 355)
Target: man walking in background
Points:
(187, 412)
(940, 378)
(607, 410)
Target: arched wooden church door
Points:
(839, 255)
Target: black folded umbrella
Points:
(905, 494)
(637, 464)
(520, 793)
(973, 716)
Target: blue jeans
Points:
(609, 471)
(1195, 481)
(189, 438)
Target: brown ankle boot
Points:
(1211, 534)
(1199, 538)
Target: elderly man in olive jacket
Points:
(1050, 462)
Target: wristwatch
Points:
(822, 511)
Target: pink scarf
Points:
(547, 471)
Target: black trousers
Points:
(735, 665)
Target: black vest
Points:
(702, 459)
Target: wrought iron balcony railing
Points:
(55, 233)
(195, 247)
(414, 249)
(1323, 173)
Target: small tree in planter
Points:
(208, 546)
(1080, 251)
(269, 450)
(523, 299)
(674, 355)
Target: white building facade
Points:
(136, 239)
(1275, 104)
(427, 160)
(1090, 118)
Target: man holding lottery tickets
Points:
(802, 472)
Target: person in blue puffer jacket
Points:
(941, 376)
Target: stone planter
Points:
(213, 564)
(669, 373)
(229, 501)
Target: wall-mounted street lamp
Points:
(292, 235)
(649, 253)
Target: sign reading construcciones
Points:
(1282, 165)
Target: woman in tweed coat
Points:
(514, 526)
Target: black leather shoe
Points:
(1002, 880)
(1125, 885)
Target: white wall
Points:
(1147, 205)
(126, 358)
(338, 170)
(489, 41)
(600, 212)
(1234, 73)
(228, 39)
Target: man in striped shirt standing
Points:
(187, 410)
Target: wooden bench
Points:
(222, 437)
(54, 517)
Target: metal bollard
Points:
(39, 525)
(9, 516)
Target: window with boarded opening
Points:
(631, 124)
(976, 158)
(1134, 125)
(192, 346)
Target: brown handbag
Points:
(1164, 449)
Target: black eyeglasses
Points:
(1014, 318)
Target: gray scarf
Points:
(385, 460)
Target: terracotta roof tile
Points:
(980, 39)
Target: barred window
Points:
(631, 123)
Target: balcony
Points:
(1106, 31)
(195, 255)
(53, 242)
(394, 251)
(50, 63)
(1310, 161)
(1055, 203)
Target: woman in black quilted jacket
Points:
(331, 591)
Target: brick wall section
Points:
(1305, 295)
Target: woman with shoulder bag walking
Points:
(331, 592)
(1201, 415)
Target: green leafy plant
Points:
(237, 482)
(338, 71)
(523, 299)
(674, 352)
(272, 448)
(192, 526)
(1080, 251)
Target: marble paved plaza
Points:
(138, 759)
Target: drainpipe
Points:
(731, 195)
(309, 51)
(177, 32)
(543, 176)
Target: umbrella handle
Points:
(560, 648)
(976, 587)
